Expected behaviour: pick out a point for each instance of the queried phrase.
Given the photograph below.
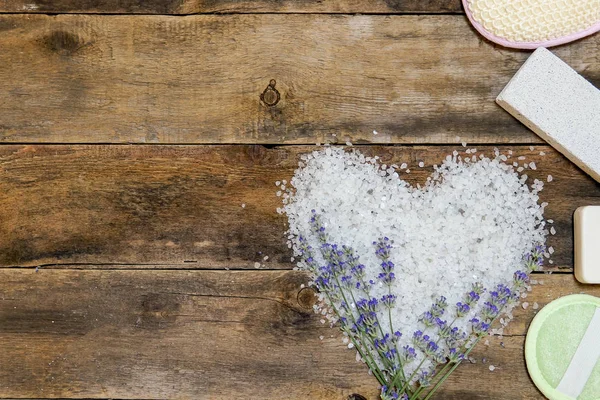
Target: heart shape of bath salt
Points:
(472, 222)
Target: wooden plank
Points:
(157, 79)
(205, 335)
(182, 205)
(230, 6)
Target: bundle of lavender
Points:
(414, 277)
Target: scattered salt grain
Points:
(464, 144)
(348, 143)
(257, 265)
(535, 306)
(403, 166)
(408, 171)
(525, 305)
(552, 231)
(532, 165)
(350, 345)
(266, 258)
(321, 337)
(492, 368)
(278, 183)
(542, 153)
(551, 250)
(521, 158)
(531, 148)
(486, 343)
(421, 164)
(375, 132)
(243, 205)
(549, 178)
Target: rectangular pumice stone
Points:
(559, 105)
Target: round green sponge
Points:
(562, 348)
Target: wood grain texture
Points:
(198, 79)
(181, 206)
(207, 335)
(230, 6)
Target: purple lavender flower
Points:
(388, 300)
(424, 379)
(462, 309)
(520, 279)
(489, 311)
(480, 328)
(427, 319)
(408, 354)
(382, 248)
(455, 356)
(439, 307)
(391, 394)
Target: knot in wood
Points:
(271, 95)
(307, 298)
(356, 396)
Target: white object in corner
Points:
(587, 244)
(558, 104)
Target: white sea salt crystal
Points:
(321, 337)
(525, 305)
(266, 258)
(515, 164)
(403, 166)
(492, 368)
(549, 178)
(421, 164)
(408, 171)
(278, 183)
(535, 306)
(520, 169)
(348, 144)
(350, 345)
(243, 205)
(521, 158)
(532, 165)
(551, 250)
(375, 132)
(542, 153)
(477, 218)
(464, 144)
(552, 231)
(486, 343)
(256, 265)
(531, 148)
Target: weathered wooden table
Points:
(134, 131)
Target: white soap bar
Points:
(558, 104)
(587, 244)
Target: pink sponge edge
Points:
(527, 45)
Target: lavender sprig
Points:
(343, 280)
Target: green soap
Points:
(553, 338)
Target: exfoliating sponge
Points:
(529, 24)
(562, 349)
(558, 104)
